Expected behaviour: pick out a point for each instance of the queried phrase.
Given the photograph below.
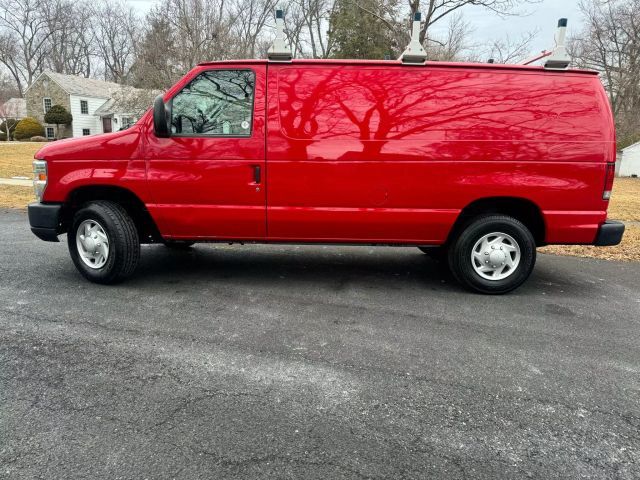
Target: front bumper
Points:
(610, 233)
(45, 220)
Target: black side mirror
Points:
(161, 118)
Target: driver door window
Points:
(217, 103)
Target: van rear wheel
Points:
(493, 254)
(103, 242)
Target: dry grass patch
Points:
(625, 200)
(15, 197)
(625, 206)
(628, 250)
(16, 158)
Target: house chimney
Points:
(279, 51)
(414, 53)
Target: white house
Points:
(628, 163)
(96, 106)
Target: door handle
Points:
(257, 174)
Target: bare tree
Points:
(8, 112)
(610, 43)
(453, 44)
(201, 30)
(24, 33)
(104, 37)
(250, 19)
(8, 105)
(154, 66)
(315, 15)
(115, 34)
(307, 27)
(435, 10)
(70, 46)
(8, 87)
(512, 50)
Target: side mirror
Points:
(161, 118)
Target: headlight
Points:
(39, 177)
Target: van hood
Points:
(107, 146)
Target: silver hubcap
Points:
(93, 244)
(495, 256)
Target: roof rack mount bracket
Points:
(279, 50)
(559, 58)
(414, 53)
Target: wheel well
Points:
(147, 230)
(524, 210)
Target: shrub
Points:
(38, 138)
(12, 122)
(58, 115)
(28, 127)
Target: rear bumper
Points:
(45, 220)
(610, 233)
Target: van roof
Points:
(398, 63)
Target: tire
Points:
(178, 244)
(512, 252)
(119, 255)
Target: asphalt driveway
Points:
(313, 362)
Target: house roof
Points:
(127, 100)
(121, 99)
(76, 85)
(17, 107)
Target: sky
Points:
(543, 16)
(488, 26)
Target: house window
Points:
(46, 102)
(84, 107)
(51, 134)
(86, 131)
(127, 122)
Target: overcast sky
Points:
(488, 26)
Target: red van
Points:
(479, 163)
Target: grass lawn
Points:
(15, 197)
(625, 206)
(628, 250)
(16, 158)
(625, 202)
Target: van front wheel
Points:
(493, 254)
(103, 242)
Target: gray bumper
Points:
(610, 233)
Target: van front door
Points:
(207, 179)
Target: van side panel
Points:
(393, 155)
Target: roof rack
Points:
(414, 53)
(558, 58)
(279, 50)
